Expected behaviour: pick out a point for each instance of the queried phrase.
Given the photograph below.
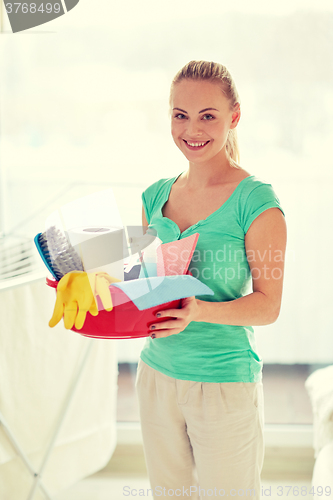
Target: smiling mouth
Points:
(195, 145)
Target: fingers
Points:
(165, 333)
(80, 318)
(70, 313)
(85, 303)
(167, 325)
(57, 312)
(182, 313)
(100, 286)
(93, 309)
(169, 313)
(102, 289)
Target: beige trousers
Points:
(201, 439)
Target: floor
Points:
(286, 476)
(285, 396)
(286, 473)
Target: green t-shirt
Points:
(212, 352)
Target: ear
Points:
(236, 114)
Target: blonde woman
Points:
(199, 378)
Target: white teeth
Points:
(195, 144)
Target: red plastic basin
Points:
(125, 321)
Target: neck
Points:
(203, 175)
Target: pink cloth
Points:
(173, 258)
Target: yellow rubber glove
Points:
(101, 288)
(76, 295)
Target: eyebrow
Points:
(202, 111)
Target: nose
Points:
(193, 128)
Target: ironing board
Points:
(37, 474)
(39, 459)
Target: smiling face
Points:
(200, 120)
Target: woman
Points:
(199, 379)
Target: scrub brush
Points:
(57, 253)
(43, 250)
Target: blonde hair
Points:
(217, 73)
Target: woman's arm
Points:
(265, 245)
(144, 220)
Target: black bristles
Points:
(57, 252)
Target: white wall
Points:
(85, 100)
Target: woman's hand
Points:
(180, 318)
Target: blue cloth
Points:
(146, 293)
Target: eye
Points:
(180, 116)
(208, 116)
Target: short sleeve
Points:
(149, 196)
(259, 199)
(153, 196)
